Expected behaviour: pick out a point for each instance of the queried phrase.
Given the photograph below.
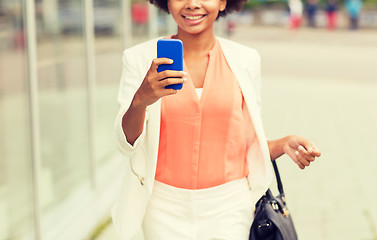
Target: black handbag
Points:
(272, 220)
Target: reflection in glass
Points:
(62, 102)
(109, 48)
(16, 209)
(140, 18)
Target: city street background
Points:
(322, 85)
(60, 66)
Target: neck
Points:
(194, 44)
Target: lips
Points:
(194, 19)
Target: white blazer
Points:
(129, 209)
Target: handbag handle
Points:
(278, 180)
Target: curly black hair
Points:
(231, 5)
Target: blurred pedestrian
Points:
(311, 8)
(331, 13)
(139, 14)
(353, 8)
(197, 158)
(230, 25)
(295, 13)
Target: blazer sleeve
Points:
(130, 82)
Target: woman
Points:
(198, 157)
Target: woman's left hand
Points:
(301, 150)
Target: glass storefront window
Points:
(62, 103)
(65, 171)
(16, 208)
(108, 62)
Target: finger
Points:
(302, 149)
(158, 61)
(316, 152)
(310, 158)
(172, 74)
(162, 92)
(168, 91)
(306, 144)
(291, 153)
(169, 81)
(305, 153)
(311, 148)
(302, 159)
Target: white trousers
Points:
(222, 212)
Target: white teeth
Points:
(193, 17)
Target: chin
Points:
(194, 31)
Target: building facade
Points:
(60, 65)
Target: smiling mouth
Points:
(194, 17)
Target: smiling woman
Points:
(195, 16)
(230, 6)
(198, 163)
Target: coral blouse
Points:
(203, 141)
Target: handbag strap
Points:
(278, 180)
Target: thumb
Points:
(310, 147)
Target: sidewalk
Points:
(322, 85)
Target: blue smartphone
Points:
(173, 49)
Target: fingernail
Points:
(184, 73)
(310, 150)
(300, 148)
(184, 79)
(296, 153)
(171, 61)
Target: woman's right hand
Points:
(154, 83)
(151, 89)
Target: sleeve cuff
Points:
(124, 146)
